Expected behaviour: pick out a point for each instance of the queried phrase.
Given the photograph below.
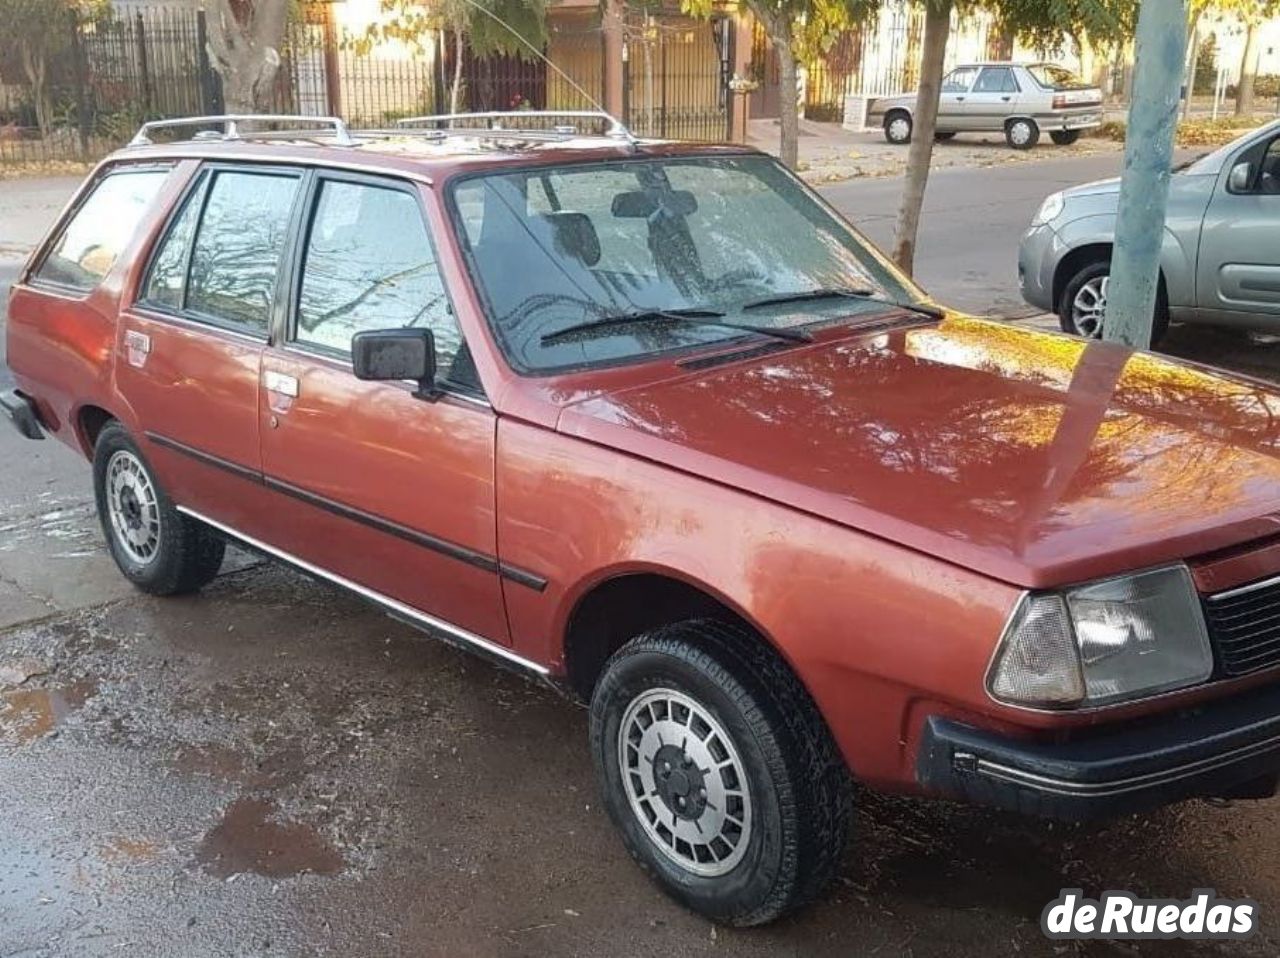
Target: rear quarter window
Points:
(100, 228)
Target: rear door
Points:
(374, 485)
(993, 99)
(1238, 272)
(189, 348)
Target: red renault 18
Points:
(653, 423)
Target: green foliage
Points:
(511, 27)
(1043, 23)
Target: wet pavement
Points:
(274, 768)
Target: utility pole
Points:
(1148, 158)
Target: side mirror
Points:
(1241, 177)
(397, 354)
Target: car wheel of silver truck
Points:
(1022, 134)
(897, 128)
(719, 772)
(1083, 303)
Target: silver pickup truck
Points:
(1021, 99)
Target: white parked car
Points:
(1021, 99)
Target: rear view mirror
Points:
(641, 204)
(396, 354)
(1241, 178)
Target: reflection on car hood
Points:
(1032, 457)
(1097, 187)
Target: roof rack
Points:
(498, 120)
(230, 122)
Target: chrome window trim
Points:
(391, 605)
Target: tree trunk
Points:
(244, 47)
(1248, 69)
(1192, 60)
(455, 92)
(937, 25)
(789, 94)
(33, 64)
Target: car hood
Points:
(1096, 188)
(1034, 458)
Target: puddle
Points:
(30, 714)
(211, 759)
(247, 840)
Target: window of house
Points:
(100, 229)
(369, 264)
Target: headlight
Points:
(1049, 210)
(1108, 641)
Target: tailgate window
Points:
(99, 229)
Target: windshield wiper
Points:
(696, 316)
(847, 292)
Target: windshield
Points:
(558, 247)
(1053, 77)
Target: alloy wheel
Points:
(685, 781)
(132, 507)
(1089, 307)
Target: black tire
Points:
(1021, 133)
(186, 554)
(944, 136)
(1095, 270)
(897, 127)
(1064, 137)
(799, 788)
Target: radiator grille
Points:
(1245, 627)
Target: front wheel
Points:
(719, 772)
(1082, 309)
(157, 548)
(1022, 134)
(897, 128)
(1064, 137)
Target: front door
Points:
(1238, 274)
(952, 99)
(189, 349)
(386, 490)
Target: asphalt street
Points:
(273, 768)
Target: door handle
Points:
(959, 98)
(280, 383)
(1006, 98)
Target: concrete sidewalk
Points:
(829, 153)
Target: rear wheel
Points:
(897, 127)
(1021, 134)
(719, 772)
(157, 548)
(1082, 309)
(1064, 137)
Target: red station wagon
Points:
(650, 421)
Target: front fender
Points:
(1177, 261)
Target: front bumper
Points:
(21, 411)
(1038, 254)
(1229, 749)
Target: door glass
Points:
(169, 268)
(996, 80)
(1269, 175)
(959, 81)
(237, 252)
(100, 229)
(370, 265)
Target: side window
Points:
(100, 229)
(996, 80)
(168, 275)
(369, 264)
(959, 81)
(236, 256)
(1267, 181)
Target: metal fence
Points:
(108, 76)
(104, 78)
